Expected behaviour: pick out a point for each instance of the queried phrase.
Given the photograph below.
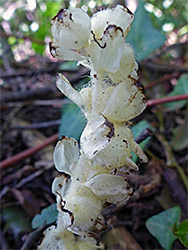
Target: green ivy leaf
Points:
(161, 226)
(72, 121)
(181, 232)
(179, 89)
(48, 216)
(144, 38)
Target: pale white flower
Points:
(82, 192)
(90, 175)
(110, 188)
(126, 102)
(110, 144)
(106, 139)
(106, 53)
(71, 32)
(98, 41)
(127, 65)
(57, 239)
(120, 103)
(119, 16)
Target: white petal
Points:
(106, 54)
(66, 88)
(118, 150)
(126, 65)
(62, 52)
(60, 238)
(120, 16)
(86, 94)
(60, 186)
(109, 188)
(139, 152)
(71, 28)
(95, 136)
(66, 153)
(126, 102)
(52, 240)
(64, 219)
(80, 206)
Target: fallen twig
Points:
(57, 103)
(33, 176)
(46, 124)
(166, 99)
(20, 156)
(167, 48)
(27, 94)
(159, 67)
(177, 189)
(50, 69)
(161, 80)
(145, 134)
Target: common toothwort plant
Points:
(91, 173)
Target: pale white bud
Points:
(119, 16)
(66, 88)
(126, 65)
(66, 155)
(106, 53)
(71, 32)
(71, 28)
(63, 53)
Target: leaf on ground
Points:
(161, 226)
(180, 89)
(15, 220)
(181, 232)
(137, 130)
(144, 38)
(72, 121)
(47, 216)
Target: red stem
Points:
(166, 99)
(26, 153)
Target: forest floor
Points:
(30, 117)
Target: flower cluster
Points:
(91, 174)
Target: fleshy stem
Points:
(171, 161)
(96, 95)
